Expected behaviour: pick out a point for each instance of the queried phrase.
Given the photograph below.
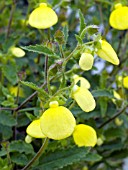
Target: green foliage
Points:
(44, 74)
(61, 158)
(40, 49)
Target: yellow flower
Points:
(83, 81)
(100, 141)
(86, 61)
(17, 52)
(28, 139)
(14, 91)
(84, 135)
(118, 121)
(84, 98)
(125, 82)
(57, 122)
(119, 17)
(34, 129)
(43, 17)
(107, 53)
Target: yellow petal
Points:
(100, 141)
(34, 129)
(83, 81)
(43, 17)
(17, 52)
(118, 121)
(57, 123)
(125, 82)
(107, 53)
(116, 95)
(28, 139)
(84, 98)
(86, 61)
(84, 135)
(119, 17)
(14, 91)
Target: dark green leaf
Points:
(62, 158)
(102, 93)
(18, 146)
(10, 72)
(6, 118)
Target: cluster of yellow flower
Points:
(57, 122)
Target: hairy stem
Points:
(39, 153)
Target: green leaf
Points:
(4, 164)
(103, 105)
(35, 87)
(6, 118)
(62, 158)
(10, 72)
(19, 159)
(40, 49)
(82, 22)
(6, 132)
(93, 157)
(18, 146)
(65, 31)
(102, 93)
(78, 39)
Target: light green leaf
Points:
(82, 22)
(40, 49)
(35, 87)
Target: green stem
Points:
(10, 19)
(39, 153)
(112, 118)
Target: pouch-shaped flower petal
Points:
(34, 129)
(84, 98)
(86, 61)
(119, 17)
(107, 53)
(43, 17)
(125, 82)
(83, 81)
(84, 135)
(57, 122)
(17, 52)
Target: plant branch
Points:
(10, 19)
(113, 117)
(39, 153)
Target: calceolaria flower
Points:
(84, 135)
(17, 52)
(119, 17)
(83, 81)
(125, 82)
(107, 53)
(43, 17)
(57, 122)
(86, 61)
(34, 129)
(84, 98)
